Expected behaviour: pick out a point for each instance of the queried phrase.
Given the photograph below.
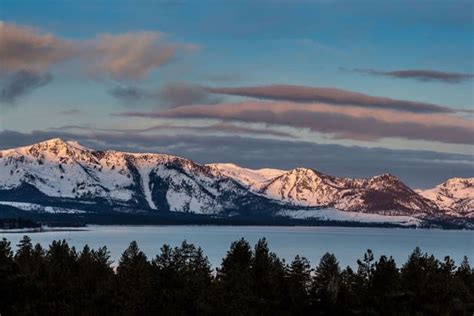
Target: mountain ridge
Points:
(67, 172)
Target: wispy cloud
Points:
(420, 75)
(169, 95)
(130, 94)
(223, 127)
(341, 122)
(17, 84)
(131, 55)
(177, 94)
(331, 96)
(125, 56)
(25, 49)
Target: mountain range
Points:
(57, 176)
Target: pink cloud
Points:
(350, 122)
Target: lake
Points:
(347, 243)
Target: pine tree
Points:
(182, 279)
(24, 251)
(384, 287)
(298, 279)
(267, 278)
(234, 292)
(466, 274)
(62, 276)
(419, 276)
(10, 290)
(326, 284)
(96, 281)
(134, 281)
(29, 280)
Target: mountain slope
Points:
(68, 176)
(456, 196)
(66, 170)
(383, 194)
(253, 179)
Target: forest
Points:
(60, 280)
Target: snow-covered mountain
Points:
(383, 194)
(67, 176)
(456, 196)
(69, 172)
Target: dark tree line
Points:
(250, 281)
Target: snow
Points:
(249, 178)
(300, 186)
(455, 195)
(337, 215)
(41, 208)
(69, 170)
(145, 177)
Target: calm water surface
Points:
(348, 244)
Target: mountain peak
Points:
(61, 169)
(53, 141)
(384, 177)
(56, 148)
(51, 144)
(455, 194)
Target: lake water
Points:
(348, 244)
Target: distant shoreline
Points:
(41, 230)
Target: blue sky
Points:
(367, 47)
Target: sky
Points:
(348, 88)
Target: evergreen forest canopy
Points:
(250, 281)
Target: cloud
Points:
(420, 75)
(345, 123)
(127, 56)
(177, 94)
(25, 49)
(17, 84)
(223, 127)
(131, 55)
(130, 94)
(417, 168)
(226, 128)
(170, 95)
(331, 96)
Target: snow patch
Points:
(337, 215)
(41, 208)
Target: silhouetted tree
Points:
(30, 264)
(182, 280)
(298, 279)
(9, 288)
(62, 274)
(134, 281)
(384, 287)
(96, 281)
(268, 278)
(234, 292)
(420, 283)
(179, 281)
(326, 285)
